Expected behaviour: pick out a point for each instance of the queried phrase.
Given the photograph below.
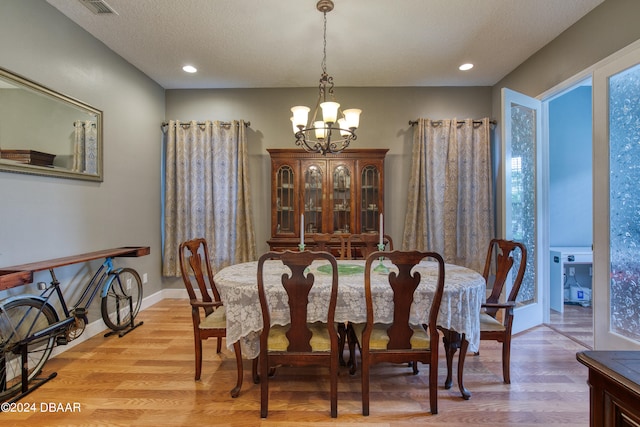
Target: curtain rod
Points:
(477, 122)
(246, 124)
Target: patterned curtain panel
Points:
(85, 151)
(207, 192)
(450, 203)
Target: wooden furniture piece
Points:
(464, 293)
(299, 343)
(614, 382)
(500, 260)
(360, 246)
(341, 194)
(322, 242)
(22, 274)
(197, 276)
(492, 327)
(327, 242)
(401, 340)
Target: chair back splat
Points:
(193, 265)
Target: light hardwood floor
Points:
(146, 379)
(575, 322)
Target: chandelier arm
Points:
(326, 145)
(308, 145)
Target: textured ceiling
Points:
(278, 43)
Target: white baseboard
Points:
(97, 327)
(173, 293)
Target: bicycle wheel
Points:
(122, 301)
(18, 318)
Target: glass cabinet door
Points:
(285, 222)
(370, 197)
(342, 200)
(313, 199)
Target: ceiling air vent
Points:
(99, 7)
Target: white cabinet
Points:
(563, 259)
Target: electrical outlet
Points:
(144, 278)
(128, 284)
(572, 271)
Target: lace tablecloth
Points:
(464, 292)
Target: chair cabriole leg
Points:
(235, 392)
(198, 349)
(506, 355)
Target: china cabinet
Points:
(335, 194)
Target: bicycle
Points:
(30, 325)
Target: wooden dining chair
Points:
(299, 343)
(498, 265)
(324, 242)
(208, 314)
(402, 341)
(359, 246)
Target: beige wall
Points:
(384, 123)
(608, 28)
(605, 30)
(42, 217)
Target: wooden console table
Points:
(19, 275)
(614, 381)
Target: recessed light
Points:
(465, 67)
(189, 69)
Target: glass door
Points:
(369, 209)
(522, 123)
(341, 198)
(616, 200)
(313, 199)
(285, 200)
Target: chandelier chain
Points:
(324, 46)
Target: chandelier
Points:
(331, 134)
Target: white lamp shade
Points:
(293, 125)
(320, 130)
(344, 126)
(353, 117)
(300, 115)
(329, 111)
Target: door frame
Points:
(545, 218)
(545, 97)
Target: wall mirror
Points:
(44, 132)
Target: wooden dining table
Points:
(458, 319)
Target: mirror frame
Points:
(25, 83)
